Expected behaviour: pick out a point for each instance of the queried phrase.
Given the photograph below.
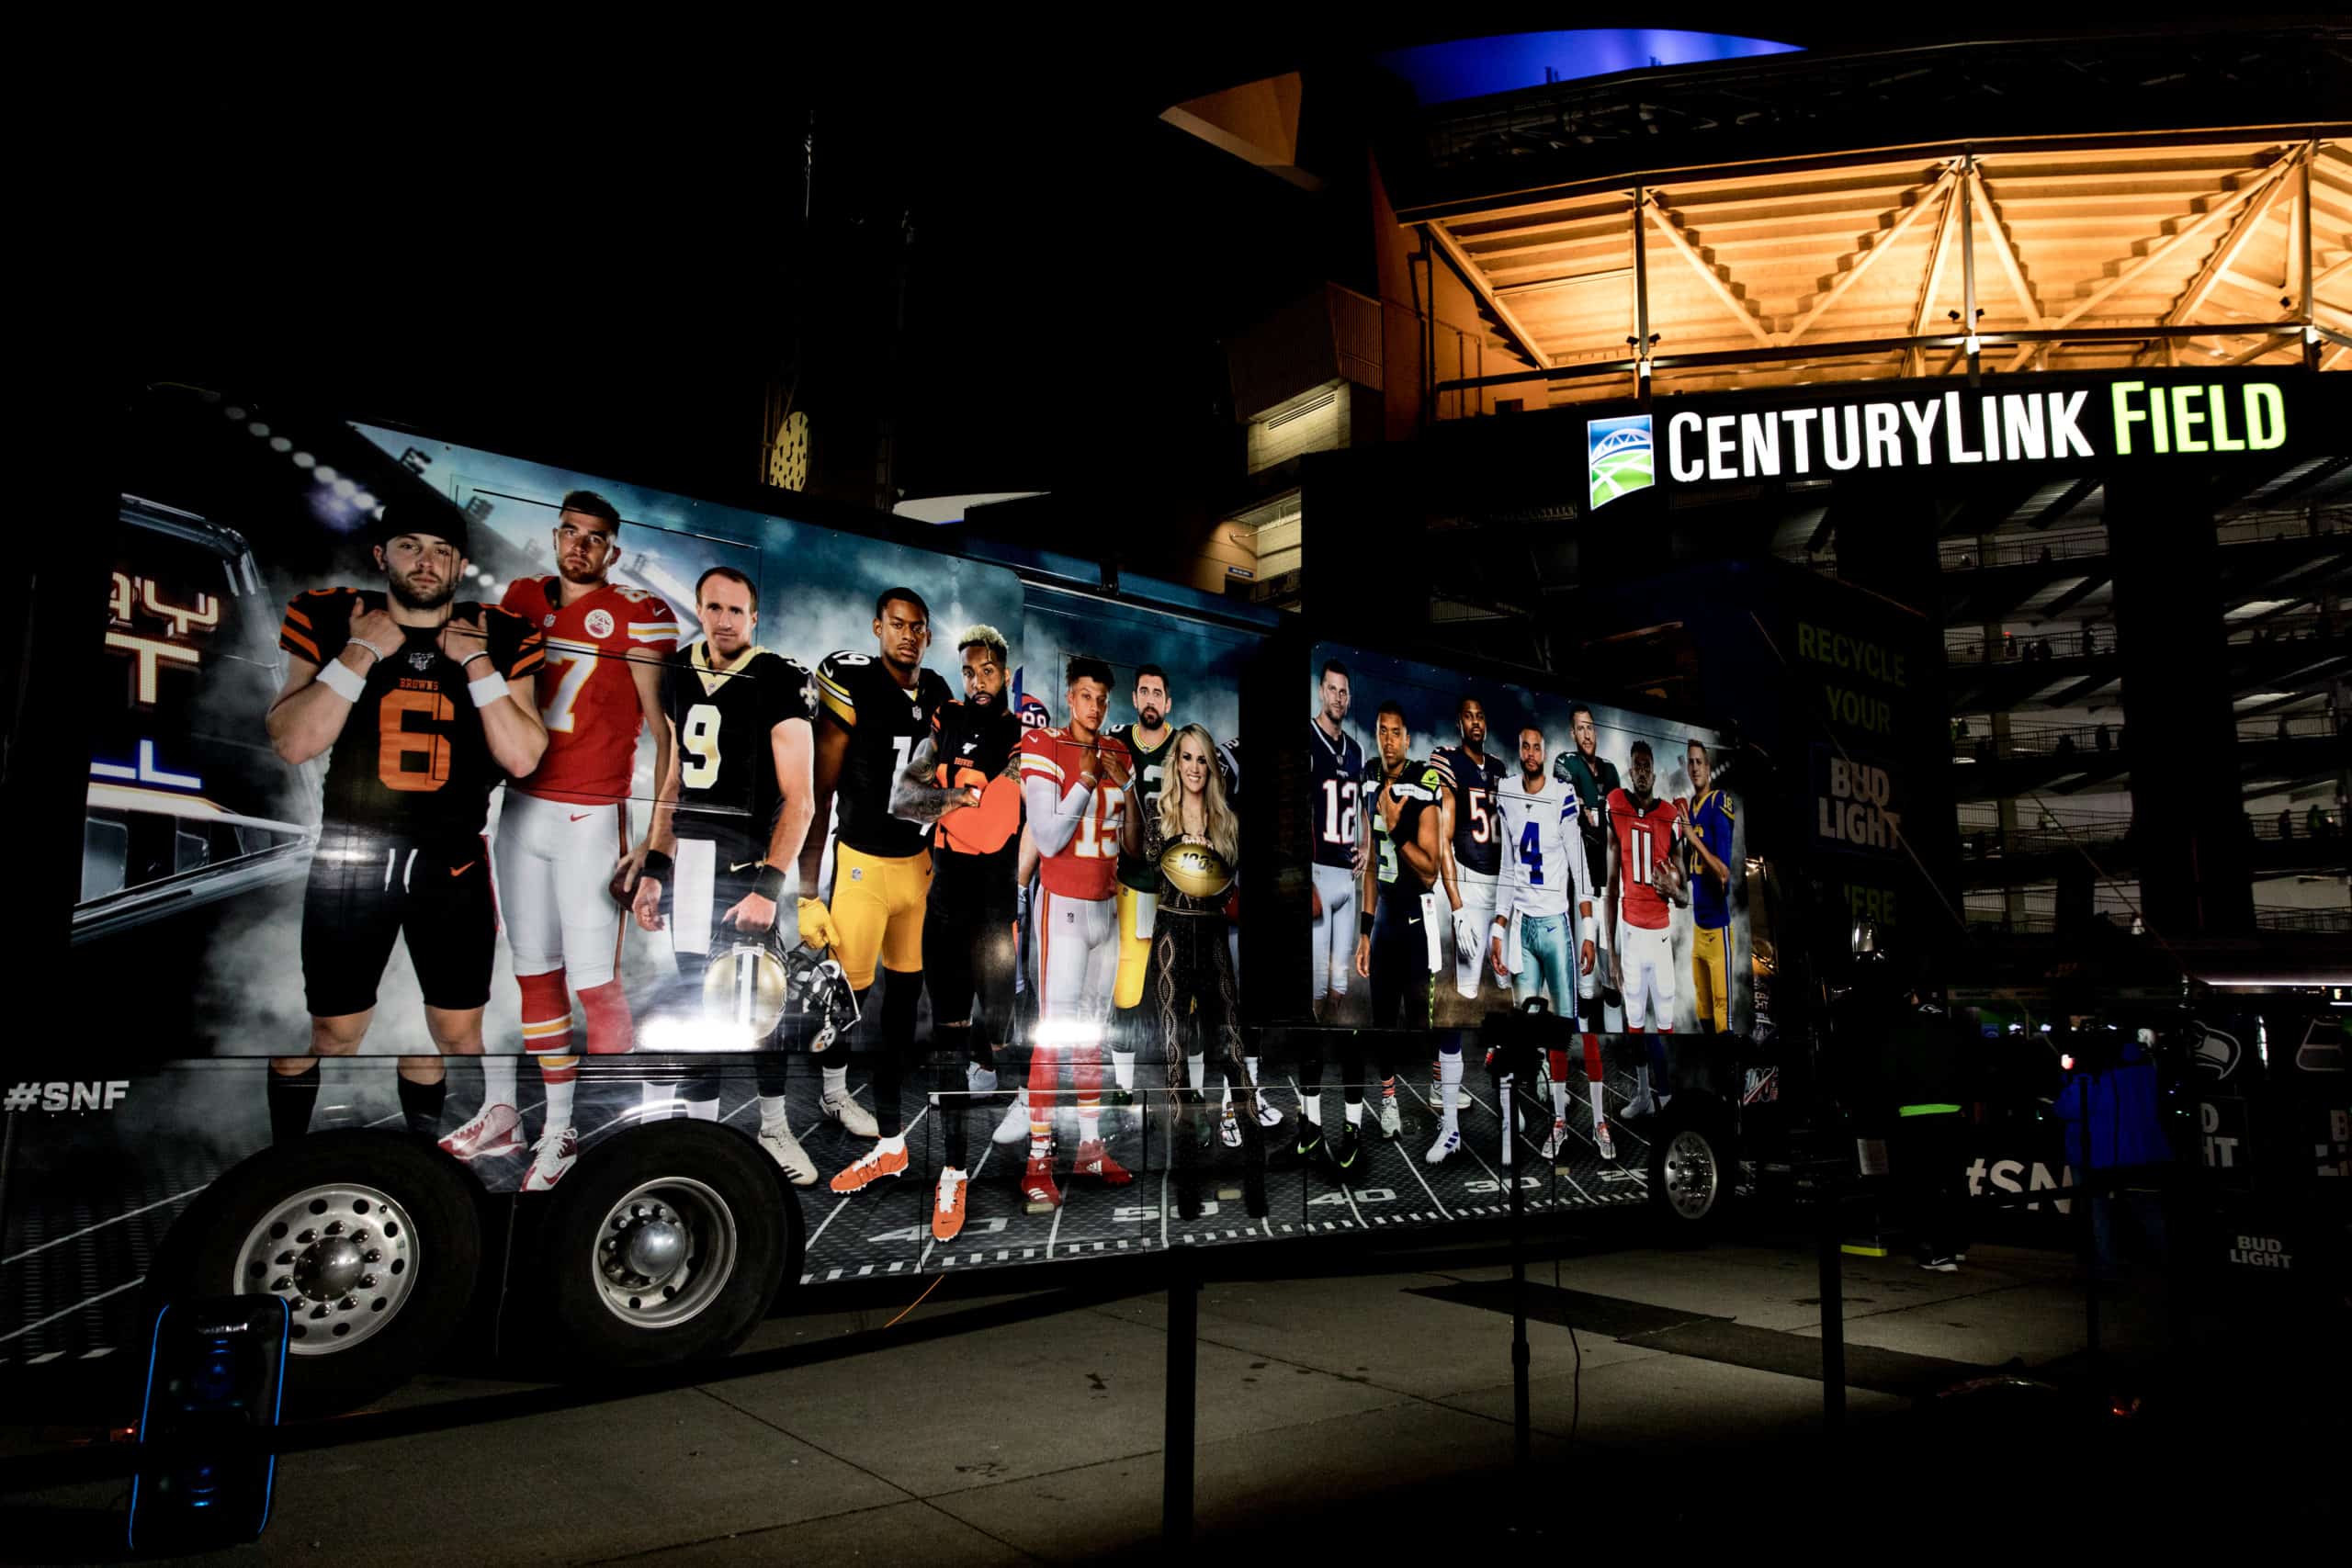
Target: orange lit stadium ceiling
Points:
(2086, 254)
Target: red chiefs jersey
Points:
(1643, 839)
(1087, 866)
(587, 696)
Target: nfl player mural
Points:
(453, 754)
(1477, 844)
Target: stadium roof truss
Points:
(2084, 254)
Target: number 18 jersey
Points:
(726, 715)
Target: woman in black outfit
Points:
(1192, 964)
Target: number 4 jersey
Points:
(411, 758)
(587, 697)
(726, 715)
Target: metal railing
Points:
(1967, 555)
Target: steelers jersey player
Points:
(878, 708)
(423, 703)
(729, 820)
(964, 778)
(1149, 738)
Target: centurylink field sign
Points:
(2031, 423)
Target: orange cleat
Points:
(872, 1168)
(1038, 1183)
(1095, 1160)
(948, 1213)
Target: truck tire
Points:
(1691, 1170)
(372, 1239)
(667, 1244)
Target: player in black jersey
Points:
(964, 778)
(1593, 777)
(1338, 763)
(878, 708)
(1401, 943)
(426, 703)
(1474, 862)
(729, 820)
(1148, 738)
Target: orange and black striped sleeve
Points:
(317, 623)
(520, 647)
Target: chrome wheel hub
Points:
(664, 1252)
(1690, 1176)
(341, 1256)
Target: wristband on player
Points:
(770, 884)
(369, 648)
(467, 662)
(657, 866)
(1363, 925)
(1591, 928)
(487, 690)
(342, 679)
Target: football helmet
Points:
(758, 980)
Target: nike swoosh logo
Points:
(461, 870)
(742, 865)
(582, 815)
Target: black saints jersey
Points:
(411, 758)
(1474, 778)
(976, 856)
(1339, 791)
(886, 722)
(1419, 788)
(726, 713)
(1151, 765)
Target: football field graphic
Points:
(1618, 456)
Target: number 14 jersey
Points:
(726, 715)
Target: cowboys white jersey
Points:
(1544, 862)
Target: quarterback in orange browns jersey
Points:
(564, 828)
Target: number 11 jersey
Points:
(726, 713)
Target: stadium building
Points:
(2044, 341)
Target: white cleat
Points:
(552, 1156)
(495, 1130)
(1600, 1138)
(1014, 1128)
(1392, 1120)
(786, 1150)
(855, 1118)
(1555, 1145)
(1437, 1091)
(1641, 1105)
(1449, 1143)
(979, 1079)
(1267, 1115)
(1230, 1129)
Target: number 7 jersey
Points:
(587, 695)
(726, 715)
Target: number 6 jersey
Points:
(411, 758)
(726, 715)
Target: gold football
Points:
(1197, 871)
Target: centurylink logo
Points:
(1617, 457)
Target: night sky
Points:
(599, 260)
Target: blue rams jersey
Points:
(1711, 822)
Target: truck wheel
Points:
(1692, 1172)
(371, 1239)
(665, 1245)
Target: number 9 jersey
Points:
(411, 758)
(726, 715)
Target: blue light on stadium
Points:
(1470, 68)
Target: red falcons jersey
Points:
(1087, 866)
(1643, 839)
(587, 696)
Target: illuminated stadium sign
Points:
(1705, 440)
